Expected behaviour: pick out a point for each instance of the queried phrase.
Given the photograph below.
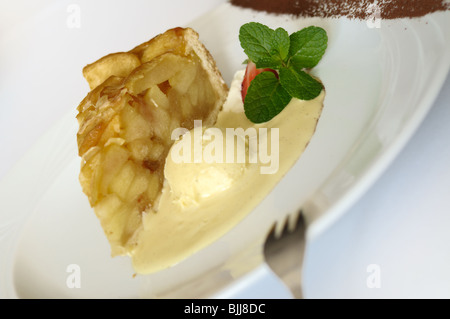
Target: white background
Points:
(401, 224)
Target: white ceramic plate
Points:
(380, 84)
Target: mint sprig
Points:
(289, 56)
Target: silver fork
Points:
(284, 249)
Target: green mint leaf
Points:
(299, 84)
(266, 47)
(256, 40)
(281, 44)
(307, 47)
(265, 98)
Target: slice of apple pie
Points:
(125, 123)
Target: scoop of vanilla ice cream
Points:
(204, 172)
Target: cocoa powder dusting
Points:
(355, 9)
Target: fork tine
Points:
(291, 223)
(284, 248)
